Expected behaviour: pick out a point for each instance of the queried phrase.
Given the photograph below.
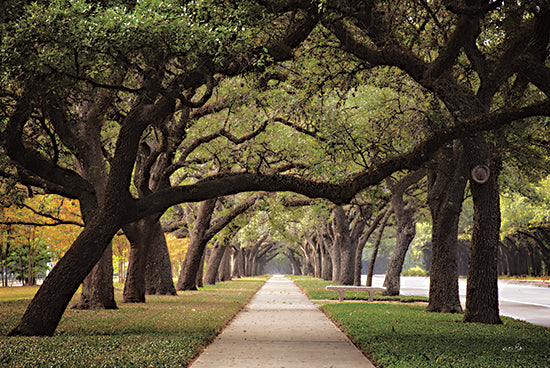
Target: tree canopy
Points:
(120, 104)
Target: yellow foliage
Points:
(177, 247)
(58, 238)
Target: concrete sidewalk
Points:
(280, 327)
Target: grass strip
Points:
(404, 335)
(167, 331)
(315, 290)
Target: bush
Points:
(415, 271)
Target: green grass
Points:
(315, 290)
(164, 332)
(404, 335)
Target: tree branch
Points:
(232, 183)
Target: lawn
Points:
(404, 335)
(167, 331)
(315, 290)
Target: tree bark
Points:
(97, 288)
(149, 268)
(158, 271)
(446, 186)
(134, 287)
(323, 237)
(345, 245)
(214, 263)
(238, 269)
(326, 273)
(406, 230)
(199, 282)
(482, 287)
(250, 256)
(294, 263)
(376, 246)
(361, 246)
(45, 310)
(188, 275)
(224, 268)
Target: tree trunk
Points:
(406, 230)
(326, 273)
(187, 279)
(224, 268)
(238, 269)
(214, 263)
(134, 287)
(294, 263)
(250, 256)
(158, 271)
(405, 235)
(446, 187)
(376, 246)
(149, 268)
(200, 271)
(97, 288)
(323, 237)
(482, 286)
(361, 246)
(345, 246)
(318, 256)
(308, 267)
(46, 308)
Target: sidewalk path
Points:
(281, 327)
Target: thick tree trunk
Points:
(307, 257)
(406, 230)
(149, 269)
(405, 236)
(187, 279)
(446, 187)
(325, 244)
(345, 245)
(158, 271)
(318, 256)
(250, 256)
(134, 287)
(294, 263)
(224, 268)
(46, 308)
(214, 263)
(335, 252)
(97, 287)
(238, 269)
(326, 273)
(482, 286)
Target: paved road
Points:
(281, 327)
(525, 302)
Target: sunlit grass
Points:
(167, 331)
(8, 294)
